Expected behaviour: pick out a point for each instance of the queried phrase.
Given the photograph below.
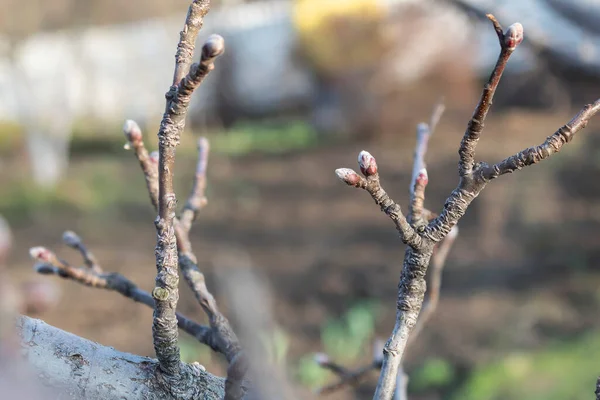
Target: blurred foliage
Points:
(193, 351)
(277, 345)
(267, 137)
(311, 374)
(344, 339)
(561, 371)
(433, 374)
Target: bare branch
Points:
(227, 341)
(82, 369)
(553, 144)
(371, 184)
(72, 240)
(400, 393)
(350, 378)
(49, 264)
(148, 162)
(508, 43)
(438, 261)
(187, 38)
(166, 294)
(196, 200)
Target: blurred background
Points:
(303, 87)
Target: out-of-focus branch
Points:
(346, 377)
(72, 240)
(196, 200)
(49, 264)
(419, 174)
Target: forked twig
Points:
(473, 178)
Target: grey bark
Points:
(82, 369)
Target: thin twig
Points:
(419, 178)
(350, 378)
(553, 144)
(508, 43)
(371, 183)
(197, 198)
(72, 240)
(49, 264)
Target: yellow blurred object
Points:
(339, 33)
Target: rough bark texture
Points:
(82, 369)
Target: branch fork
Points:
(425, 232)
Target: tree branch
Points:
(508, 43)
(368, 167)
(86, 370)
(553, 144)
(49, 264)
(416, 215)
(166, 294)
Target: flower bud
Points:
(367, 163)
(213, 47)
(41, 254)
(348, 176)
(422, 178)
(71, 239)
(513, 36)
(132, 131)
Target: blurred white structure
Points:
(122, 71)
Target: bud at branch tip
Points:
(513, 36)
(132, 131)
(40, 253)
(367, 163)
(71, 239)
(348, 176)
(213, 47)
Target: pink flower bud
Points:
(41, 254)
(132, 131)
(213, 47)
(513, 36)
(71, 239)
(367, 163)
(422, 178)
(154, 157)
(348, 176)
(321, 358)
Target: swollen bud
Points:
(513, 36)
(213, 47)
(367, 163)
(41, 254)
(154, 157)
(71, 239)
(132, 131)
(422, 178)
(348, 176)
